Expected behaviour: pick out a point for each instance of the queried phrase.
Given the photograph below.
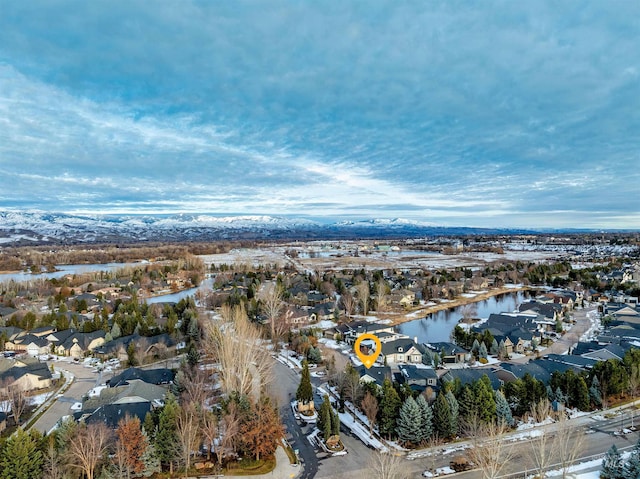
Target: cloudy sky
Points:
(495, 113)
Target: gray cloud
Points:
(448, 109)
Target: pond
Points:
(175, 297)
(63, 270)
(438, 326)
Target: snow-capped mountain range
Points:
(44, 227)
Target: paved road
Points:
(85, 380)
(283, 388)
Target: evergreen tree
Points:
(314, 355)
(193, 330)
(502, 350)
(166, 439)
(20, 457)
(326, 425)
(325, 410)
(335, 423)
(427, 357)
(467, 404)
(389, 406)
(304, 393)
(494, 347)
(442, 417)
(482, 351)
(426, 418)
(485, 401)
(454, 407)
(631, 468)
(612, 466)
(409, 421)
(503, 411)
(131, 354)
(581, 394)
(594, 392)
(149, 426)
(150, 459)
(115, 331)
(559, 396)
(550, 394)
(475, 347)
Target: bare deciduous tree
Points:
(386, 466)
(88, 448)
(362, 288)
(53, 463)
(229, 431)
(271, 298)
(542, 444)
(18, 400)
(381, 295)
(568, 443)
(489, 451)
(210, 430)
(469, 311)
(196, 386)
(188, 432)
(348, 303)
(237, 346)
(369, 406)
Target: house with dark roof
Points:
(150, 376)
(577, 362)
(34, 345)
(402, 350)
(78, 344)
(3, 421)
(470, 375)
(375, 374)
(111, 414)
(12, 332)
(539, 369)
(450, 353)
(29, 376)
(150, 346)
(42, 331)
(6, 312)
(418, 378)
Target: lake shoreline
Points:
(423, 312)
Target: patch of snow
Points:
(358, 430)
(330, 343)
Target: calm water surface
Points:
(438, 326)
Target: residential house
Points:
(6, 312)
(470, 375)
(29, 375)
(78, 344)
(417, 377)
(577, 362)
(403, 350)
(449, 353)
(151, 376)
(111, 414)
(34, 345)
(323, 311)
(3, 421)
(540, 369)
(43, 331)
(374, 374)
(148, 346)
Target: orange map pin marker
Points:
(368, 359)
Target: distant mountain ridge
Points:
(17, 228)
